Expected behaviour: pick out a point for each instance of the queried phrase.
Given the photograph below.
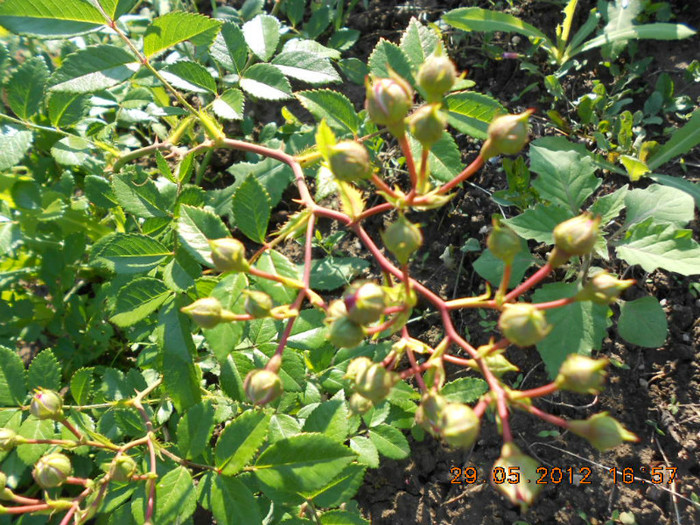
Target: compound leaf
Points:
(176, 27)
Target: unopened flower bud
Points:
(349, 161)
(427, 124)
(576, 236)
(503, 242)
(262, 386)
(459, 425)
(375, 382)
(228, 255)
(429, 411)
(388, 100)
(356, 367)
(436, 77)
(603, 288)
(257, 304)
(46, 404)
(8, 439)
(124, 469)
(365, 303)
(359, 404)
(602, 431)
(512, 460)
(345, 333)
(582, 374)
(402, 238)
(523, 324)
(206, 312)
(507, 135)
(52, 470)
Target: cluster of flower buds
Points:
(402, 238)
(576, 236)
(46, 404)
(264, 385)
(603, 288)
(362, 304)
(206, 312)
(456, 423)
(52, 470)
(436, 77)
(371, 381)
(257, 304)
(523, 324)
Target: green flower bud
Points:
(52, 470)
(507, 135)
(345, 333)
(257, 304)
(336, 310)
(365, 303)
(228, 255)
(523, 324)
(427, 124)
(206, 312)
(503, 242)
(577, 236)
(602, 431)
(356, 367)
(436, 77)
(124, 469)
(3, 482)
(359, 404)
(582, 374)
(402, 238)
(8, 439)
(429, 411)
(459, 425)
(375, 382)
(349, 161)
(388, 100)
(512, 460)
(603, 288)
(46, 404)
(262, 386)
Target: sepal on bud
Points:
(388, 101)
(513, 460)
(8, 439)
(375, 382)
(46, 404)
(603, 288)
(228, 255)
(602, 431)
(507, 135)
(523, 324)
(436, 77)
(582, 374)
(365, 303)
(402, 238)
(257, 304)
(52, 470)
(206, 312)
(262, 386)
(459, 425)
(427, 124)
(349, 161)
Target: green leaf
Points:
(577, 328)
(251, 207)
(194, 430)
(490, 267)
(234, 369)
(274, 262)
(366, 451)
(664, 204)
(538, 222)
(240, 441)
(39, 429)
(266, 82)
(138, 299)
(643, 322)
(273, 175)
(230, 500)
(307, 67)
(93, 68)
(81, 385)
(311, 460)
(195, 227)
(180, 376)
(300, 44)
(181, 272)
(13, 382)
(173, 28)
(331, 273)
(225, 336)
(418, 42)
(25, 89)
(71, 151)
(117, 8)
(386, 56)
(342, 517)
(14, 144)
(691, 188)
(66, 109)
(464, 390)
(262, 34)
(283, 426)
(229, 49)
(477, 19)
(635, 167)
(566, 176)
(471, 112)
(609, 206)
(143, 199)
(44, 371)
(48, 18)
(342, 489)
(329, 418)
(189, 76)
(682, 141)
(664, 246)
(334, 107)
(656, 31)
(176, 498)
(390, 442)
(445, 160)
(130, 253)
(229, 105)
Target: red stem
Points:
(470, 170)
(410, 162)
(549, 418)
(26, 508)
(555, 304)
(530, 282)
(540, 391)
(415, 368)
